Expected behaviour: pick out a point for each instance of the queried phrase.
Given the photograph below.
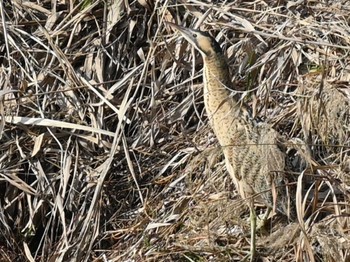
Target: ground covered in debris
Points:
(106, 153)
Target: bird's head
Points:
(202, 41)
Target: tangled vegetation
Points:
(106, 153)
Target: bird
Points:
(254, 152)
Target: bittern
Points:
(252, 150)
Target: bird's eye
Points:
(194, 35)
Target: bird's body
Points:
(252, 152)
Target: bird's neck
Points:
(229, 119)
(217, 85)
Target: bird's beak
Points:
(186, 32)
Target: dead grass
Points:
(106, 154)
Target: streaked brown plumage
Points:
(252, 151)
